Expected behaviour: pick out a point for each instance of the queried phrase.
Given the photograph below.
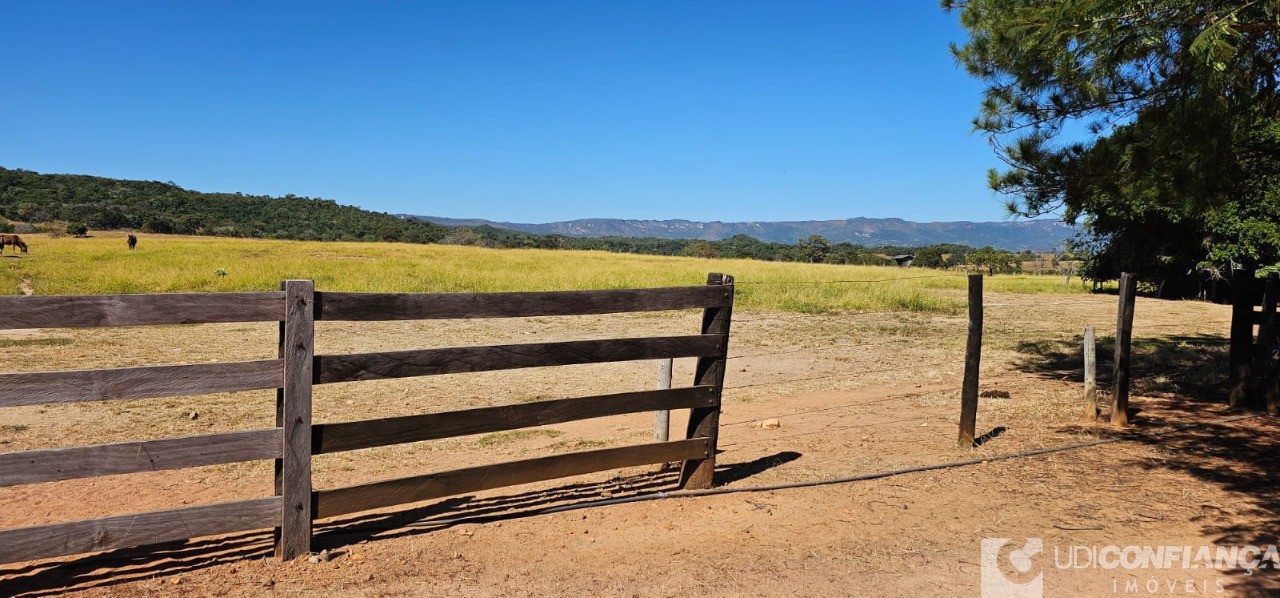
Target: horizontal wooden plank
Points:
(331, 503)
(138, 529)
(76, 311)
(346, 436)
(72, 386)
(50, 465)
(425, 306)
(454, 360)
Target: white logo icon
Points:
(1018, 582)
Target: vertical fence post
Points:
(1241, 353)
(293, 414)
(1124, 338)
(662, 419)
(972, 363)
(1267, 370)
(1090, 375)
(704, 422)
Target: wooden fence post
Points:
(1241, 353)
(293, 414)
(1267, 370)
(1124, 339)
(1090, 375)
(704, 422)
(662, 419)
(972, 363)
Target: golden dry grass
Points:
(163, 264)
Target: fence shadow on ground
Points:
(1188, 374)
(1190, 366)
(164, 561)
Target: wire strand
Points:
(764, 282)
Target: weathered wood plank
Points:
(455, 360)
(1240, 355)
(76, 311)
(331, 503)
(1124, 340)
(1268, 377)
(138, 529)
(972, 366)
(73, 386)
(423, 306)
(662, 417)
(50, 465)
(704, 422)
(1090, 375)
(332, 438)
(295, 466)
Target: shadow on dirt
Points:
(995, 433)
(1182, 381)
(172, 559)
(1187, 367)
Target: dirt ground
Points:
(853, 394)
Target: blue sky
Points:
(518, 111)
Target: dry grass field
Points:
(101, 264)
(861, 378)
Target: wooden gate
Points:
(295, 439)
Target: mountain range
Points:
(870, 232)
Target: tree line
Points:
(85, 203)
(100, 203)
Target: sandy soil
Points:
(854, 394)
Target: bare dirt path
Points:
(853, 394)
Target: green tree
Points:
(813, 250)
(1177, 98)
(701, 249)
(78, 229)
(995, 261)
(929, 257)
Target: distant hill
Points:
(1039, 235)
(30, 198)
(153, 206)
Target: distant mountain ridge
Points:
(871, 232)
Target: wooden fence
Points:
(295, 439)
(1255, 377)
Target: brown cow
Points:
(13, 240)
(133, 241)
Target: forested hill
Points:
(151, 206)
(30, 201)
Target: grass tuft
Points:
(501, 438)
(34, 342)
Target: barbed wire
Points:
(857, 373)
(829, 428)
(868, 281)
(823, 348)
(884, 399)
(801, 316)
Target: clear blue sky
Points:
(528, 111)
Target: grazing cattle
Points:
(133, 241)
(13, 240)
